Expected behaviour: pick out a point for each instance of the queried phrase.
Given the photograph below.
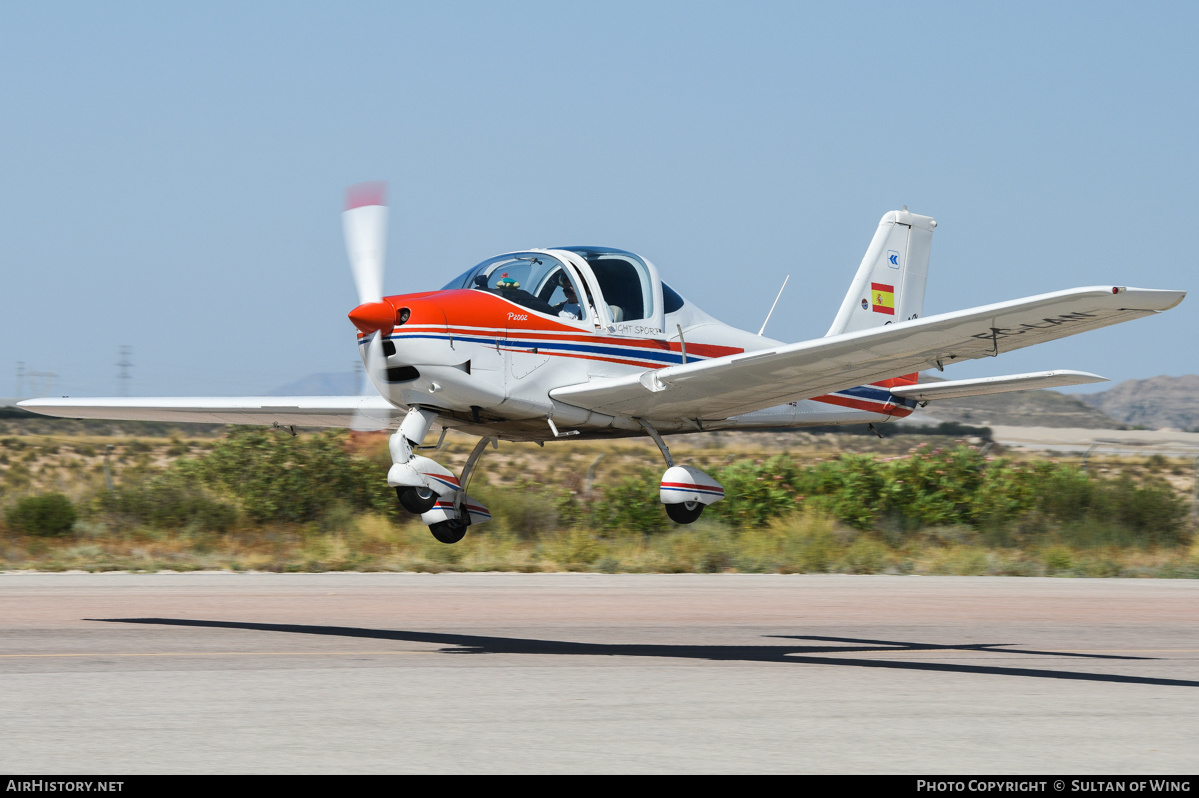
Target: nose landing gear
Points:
(426, 488)
(449, 518)
(448, 531)
(416, 499)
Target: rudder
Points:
(889, 285)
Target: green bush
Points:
(630, 505)
(808, 542)
(865, 556)
(529, 509)
(171, 500)
(850, 488)
(48, 515)
(282, 478)
(1153, 511)
(754, 493)
(260, 474)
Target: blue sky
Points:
(171, 174)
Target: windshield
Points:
(532, 280)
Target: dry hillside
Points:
(1157, 403)
(1022, 409)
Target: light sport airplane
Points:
(587, 342)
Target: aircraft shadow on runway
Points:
(481, 644)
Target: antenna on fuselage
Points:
(776, 301)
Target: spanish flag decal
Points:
(882, 298)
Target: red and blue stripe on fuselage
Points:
(478, 317)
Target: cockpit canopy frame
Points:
(621, 291)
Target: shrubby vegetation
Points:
(174, 499)
(258, 498)
(47, 515)
(957, 486)
(1012, 502)
(279, 478)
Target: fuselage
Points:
(487, 356)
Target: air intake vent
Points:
(401, 374)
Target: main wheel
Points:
(684, 513)
(448, 531)
(416, 500)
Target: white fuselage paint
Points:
(510, 379)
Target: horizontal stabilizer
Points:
(953, 389)
(286, 411)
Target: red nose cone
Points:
(373, 316)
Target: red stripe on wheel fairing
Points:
(692, 486)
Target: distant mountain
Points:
(320, 385)
(1157, 403)
(1021, 409)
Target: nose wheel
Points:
(450, 531)
(416, 500)
(426, 488)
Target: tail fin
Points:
(889, 285)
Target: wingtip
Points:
(1159, 299)
(1080, 377)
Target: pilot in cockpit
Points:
(569, 307)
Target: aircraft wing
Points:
(727, 386)
(301, 411)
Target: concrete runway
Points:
(321, 673)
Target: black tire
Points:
(448, 531)
(685, 513)
(416, 500)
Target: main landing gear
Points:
(685, 490)
(429, 489)
(685, 512)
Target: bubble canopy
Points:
(575, 282)
(534, 280)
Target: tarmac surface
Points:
(330, 673)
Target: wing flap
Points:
(722, 387)
(305, 411)
(955, 389)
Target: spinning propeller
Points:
(365, 225)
